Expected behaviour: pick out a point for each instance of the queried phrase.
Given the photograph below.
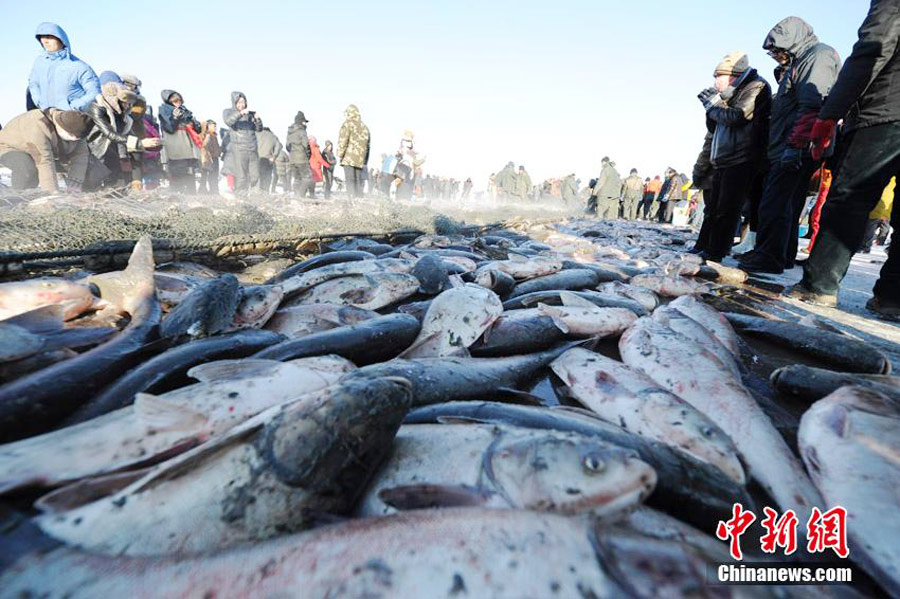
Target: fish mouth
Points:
(605, 504)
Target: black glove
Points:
(792, 158)
(710, 98)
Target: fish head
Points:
(257, 305)
(567, 473)
(76, 297)
(486, 278)
(332, 442)
(694, 433)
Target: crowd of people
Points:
(822, 128)
(101, 133)
(827, 131)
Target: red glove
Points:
(821, 136)
(802, 130)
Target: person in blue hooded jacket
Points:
(58, 79)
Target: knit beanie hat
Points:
(73, 122)
(734, 63)
(130, 81)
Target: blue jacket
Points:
(59, 79)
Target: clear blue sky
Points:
(551, 85)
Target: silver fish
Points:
(627, 397)
(697, 376)
(505, 467)
(850, 443)
(267, 477)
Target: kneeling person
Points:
(33, 143)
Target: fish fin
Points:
(514, 257)
(87, 491)
(518, 397)
(233, 370)
(459, 420)
(155, 413)
(329, 321)
(458, 351)
(188, 461)
(572, 300)
(418, 343)
(554, 316)
(487, 332)
(128, 288)
(425, 496)
(45, 319)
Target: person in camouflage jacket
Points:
(353, 149)
(632, 194)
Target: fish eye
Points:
(47, 284)
(708, 432)
(593, 464)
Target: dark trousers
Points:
(354, 177)
(751, 208)
(266, 169)
(709, 203)
(24, 173)
(872, 157)
(301, 174)
(722, 209)
(209, 178)
(664, 214)
(869, 238)
(328, 175)
(779, 211)
(646, 205)
(181, 177)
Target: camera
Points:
(184, 114)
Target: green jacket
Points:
(523, 184)
(609, 183)
(506, 180)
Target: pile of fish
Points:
(555, 411)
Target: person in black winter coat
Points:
(297, 145)
(811, 69)
(174, 120)
(110, 137)
(328, 170)
(242, 155)
(867, 97)
(737, 112)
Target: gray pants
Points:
(246, 171)
(608, 208)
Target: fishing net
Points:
(33, 227)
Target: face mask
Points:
(65, 135)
